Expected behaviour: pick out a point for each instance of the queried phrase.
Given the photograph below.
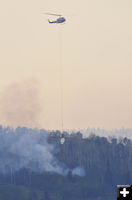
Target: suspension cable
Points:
(61, 77)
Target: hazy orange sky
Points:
(97, 59)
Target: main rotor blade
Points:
(53, 14)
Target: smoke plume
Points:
(20, 104)
(25, 148)
(79, 171)
(29, 149)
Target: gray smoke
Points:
(79, 171)
(20, 104)
(29, 149)
(26, 148)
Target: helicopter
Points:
(59, 20)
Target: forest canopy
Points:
(35, 165)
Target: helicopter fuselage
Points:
(58, 21)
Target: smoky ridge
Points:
(40, 150)
(33, 150)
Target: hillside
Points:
(106, 164)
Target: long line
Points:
(61, 76)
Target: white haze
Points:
(29, 149)
(116, 133)
(79, 171)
